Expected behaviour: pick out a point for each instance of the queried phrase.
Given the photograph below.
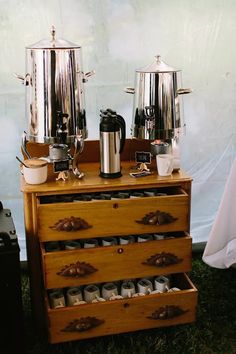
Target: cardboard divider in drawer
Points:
(85, 266)
(105, 218)
(126, 315)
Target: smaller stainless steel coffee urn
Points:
(112, 141)
(157, 109)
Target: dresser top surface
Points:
(93, 182)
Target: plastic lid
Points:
(158, 66)
(53, 43)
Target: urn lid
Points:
(158, 66)
(53, 43)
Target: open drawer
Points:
(101, 218)
(126, 315)
(85, 266)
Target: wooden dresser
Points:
(56, 211)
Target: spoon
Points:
(21, 162)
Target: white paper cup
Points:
(144, 286)
(74, 296)
(162, 283)
(109, 241)
(52, 246)
(127, 289)
(125, 240)
(57, 299)
(144, 238)
(158, 237)
(109, 290)
(36, 171)
(164, 164)
(91, 292)
(90, 243)
(71, 244)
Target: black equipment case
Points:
(11, 332)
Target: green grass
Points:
(213, 332)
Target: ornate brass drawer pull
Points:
(167, 312)
(162, 259)
(157, 218)
(71, 224)
(78, 269)
(82, 324)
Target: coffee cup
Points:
(52, 246)
(109, 241)
(57, 299)
(164, 164)
(158, 236)
(96, 197)
(106, 196)
(134, 195)
(124, 195)
(144, 238)
(149, 193)
(71, 244)
(162, 283)
(35, 171)
(73, 296)
(144, 286)
(91, 292)
(127, 289)
(83, 197)
(109, 290)
(125, 240)
(90, 243)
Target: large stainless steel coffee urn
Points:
(157, 104)
(55, 100)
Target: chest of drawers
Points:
(58, 211)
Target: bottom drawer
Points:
(126, 315)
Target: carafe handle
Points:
(122, 125)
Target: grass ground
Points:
(213, 332)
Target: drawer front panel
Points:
(105, 318)
(105, 218)
(85, 266)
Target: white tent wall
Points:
(117, 37)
